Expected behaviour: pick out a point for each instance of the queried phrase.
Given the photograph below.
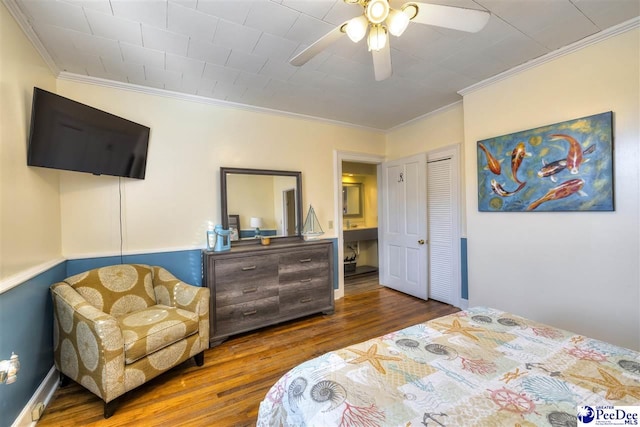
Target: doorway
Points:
(361, 240)
(360, 226)
(290, 228)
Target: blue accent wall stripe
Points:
(185, 265)
(465, 272)
(336, 266)
(26, 314)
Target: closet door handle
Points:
(253, 267)
(421, 242)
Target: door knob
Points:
(421, 242)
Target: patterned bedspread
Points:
(479, 367)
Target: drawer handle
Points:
(306, 260)
(307, 299)
(250, 313)
(249, 290)
(305, 280)
(253, 267)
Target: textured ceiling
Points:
(238, 51)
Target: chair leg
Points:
(110, 407)
(199, 358)
(64, 380)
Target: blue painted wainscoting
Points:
(26, 314)
(185, 265)
(464, 291)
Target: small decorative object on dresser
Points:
(253, 286)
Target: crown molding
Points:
(424, 116)
(96, 81)
(629, 25)
(23, 23)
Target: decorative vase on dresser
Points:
(253, 286)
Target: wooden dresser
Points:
(254, 286)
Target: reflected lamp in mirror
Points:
(352, 204)
(256, 222)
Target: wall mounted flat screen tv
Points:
(68, 135)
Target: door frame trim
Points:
(338, 158)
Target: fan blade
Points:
(456, 18)
(318, 46)
(382, 62)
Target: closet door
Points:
(444, 241)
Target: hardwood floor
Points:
(361, 283)
(227, 390)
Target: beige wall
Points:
(580, 270)
(29, 202)
(189, 142)
(437, 130)
(252, 196)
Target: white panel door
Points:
(403, 229)
(442, 223)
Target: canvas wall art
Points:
(565, 166)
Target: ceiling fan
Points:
(381, 20)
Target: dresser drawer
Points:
(245, 292)
(237, 318)
(236, 274)
(304, 275)
(309, 259)
(306, 296)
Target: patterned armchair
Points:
(117, 327)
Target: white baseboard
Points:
(43, 394)
(464, 303)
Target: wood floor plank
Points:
(236, 375)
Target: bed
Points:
(479, 367)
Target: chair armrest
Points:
(88, 343)
(170, 291)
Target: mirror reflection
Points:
(258, 203)
(352, 199)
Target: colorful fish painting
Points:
(566, 166)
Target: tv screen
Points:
(68, 135)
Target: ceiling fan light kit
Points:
(377, 39)
(397, 22)
(381, 20)
(356, 28)
(377, 11)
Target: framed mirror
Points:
(352, 205)
(261, 202)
